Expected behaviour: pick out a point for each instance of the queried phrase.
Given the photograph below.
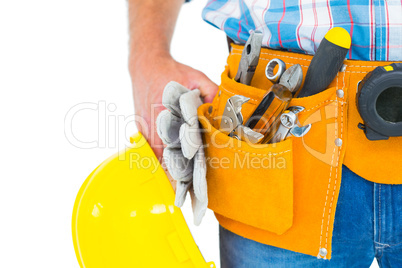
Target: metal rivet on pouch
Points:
(340, 93)
(343, 68)
(338, 142)
(323, 252)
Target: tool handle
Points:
(326, 62)
(260, 110)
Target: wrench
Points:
(289, 125)
(269, 70)
(292, 78)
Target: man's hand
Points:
(150, 74)
(151, 66)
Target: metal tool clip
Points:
(289, 125)
(232, 121)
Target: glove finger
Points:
(199, 208)
(171, 97)
(179, 167)
(190, 139)
(168, 128)
(181, 192)
(199, 176)
(189, 103)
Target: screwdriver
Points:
(326, 62)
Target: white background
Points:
(55, 55)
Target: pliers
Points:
(232, 121)
(249, 59)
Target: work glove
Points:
(179, 129)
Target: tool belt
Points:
(285, 194)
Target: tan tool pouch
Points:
(282, 194)
(249, 183)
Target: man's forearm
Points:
(151, 66)
(152, 23)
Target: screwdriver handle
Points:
(326, 62)
(260, 110)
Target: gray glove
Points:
(179, 129)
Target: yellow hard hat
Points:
(124, 216)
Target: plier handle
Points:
(249, 59)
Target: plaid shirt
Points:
(295, 25)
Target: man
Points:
(368, 213)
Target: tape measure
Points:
(379, 101)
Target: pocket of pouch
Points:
(251, 184)
(317, 148)
(314, 102)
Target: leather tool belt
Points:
(285, 194)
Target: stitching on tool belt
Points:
(255, 100)
(268, 59)
(272, 54)
(330, 178)
(318, 105)
(308, 60)
(359, 72)
(337, 163)
(362, 66)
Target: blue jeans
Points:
(368, 225)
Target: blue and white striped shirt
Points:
(295, 25)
